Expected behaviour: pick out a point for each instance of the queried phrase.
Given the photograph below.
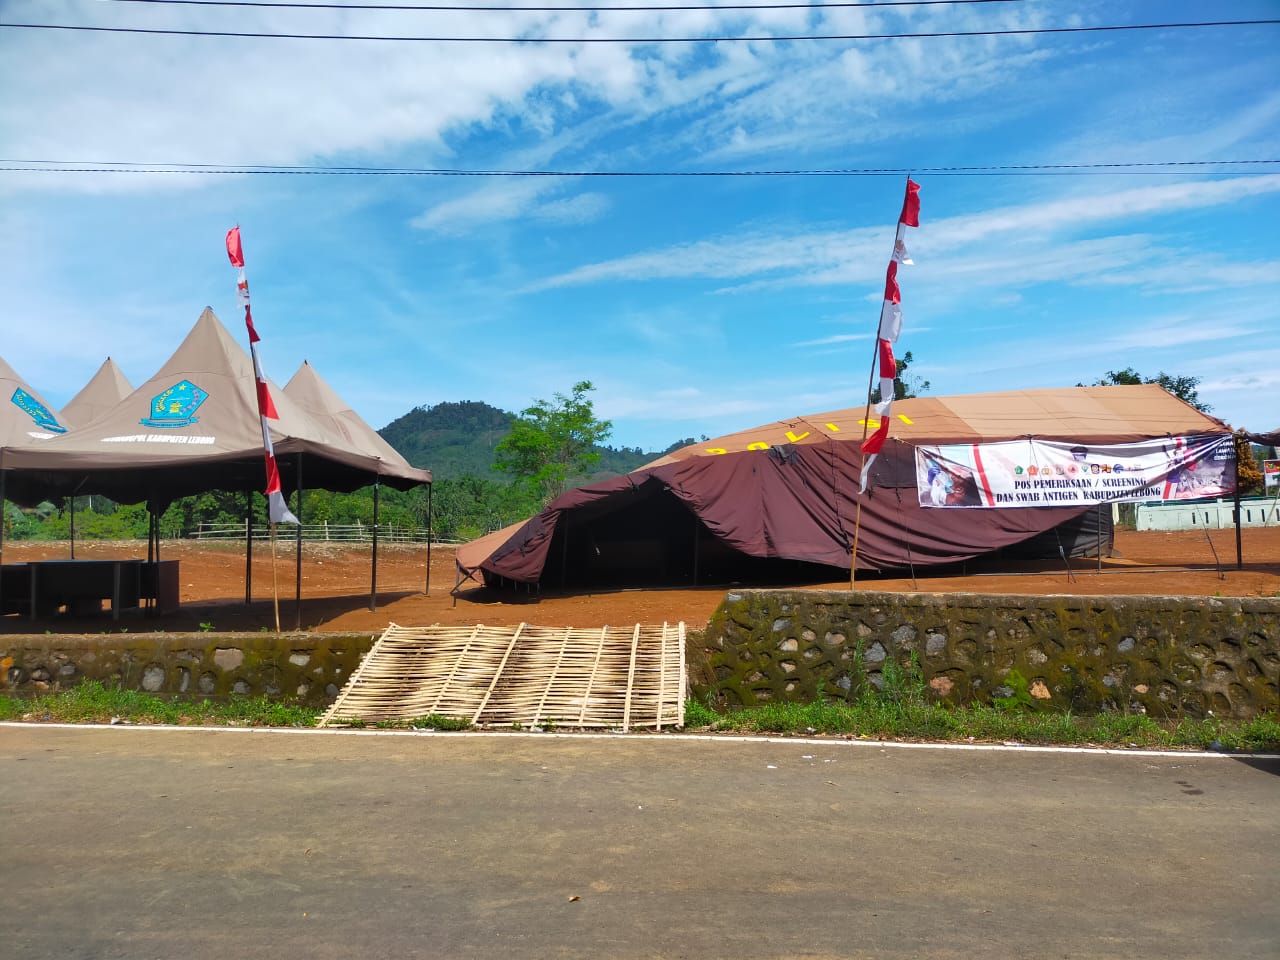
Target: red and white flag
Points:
(890, 328)
(277, 509)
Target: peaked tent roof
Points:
(192, 427)
(25, 418)
(104, 390)
(310, 392)
(787, 490)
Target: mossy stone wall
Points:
(1167, 656)
(307, 667)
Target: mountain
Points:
(458, 440)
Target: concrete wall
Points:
(1168, 656)
(1215, 515)
(310, 668)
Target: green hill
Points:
(458, 439)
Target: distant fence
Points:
(1211, 515)
(326, 532)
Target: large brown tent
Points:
(193, 427)
(767, 500)
(105, 389)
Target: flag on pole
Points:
(277, 509)
(890, 328)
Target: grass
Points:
(898, 711)
(94, 702)
(873, 717)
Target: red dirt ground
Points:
(336, 585)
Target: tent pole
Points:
(373, 578)
(697, 528)
(297, 562)
(430, 486)
(275, 580)
(71, 530)
(3, 515)
(248, 546)
(1099, 526)
(1239, 545)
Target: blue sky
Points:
(697, 305)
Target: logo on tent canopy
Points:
(37, 411)
(176, 406)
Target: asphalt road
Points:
(233, 844)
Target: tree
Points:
(553, 443)
(1249, 478)
(1184, 388)
(904, 387)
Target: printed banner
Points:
(1040, 473)
(1271, 473)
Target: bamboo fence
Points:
(611, 677)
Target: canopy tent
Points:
(25, 418)
(105, 389)
(343, 425)
(195, 426)
(192, 427)
(787, 492)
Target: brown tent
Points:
(766, 501)
(25, 419)
(344, 426)
(193, 427)
(105, 389)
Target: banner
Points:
(1042, 473)
(1271, 474)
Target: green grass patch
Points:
(876, 716)
(95, 702)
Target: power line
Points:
(1022, 32)
(428, 8)
(1152, 168)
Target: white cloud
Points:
(511, 199)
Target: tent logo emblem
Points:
(37, 411)
(176, 406)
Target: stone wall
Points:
(309, 668)
(1168, 656)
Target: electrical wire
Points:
(431, 8)
(1150, 168)
(643, 41)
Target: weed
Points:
(698, 714)
(1019, 698)
(435, 721)
(206, 626)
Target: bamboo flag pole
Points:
(886, 336)
(866, 422)
(277, 509)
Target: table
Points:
(42, 588)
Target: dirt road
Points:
(336, 585)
